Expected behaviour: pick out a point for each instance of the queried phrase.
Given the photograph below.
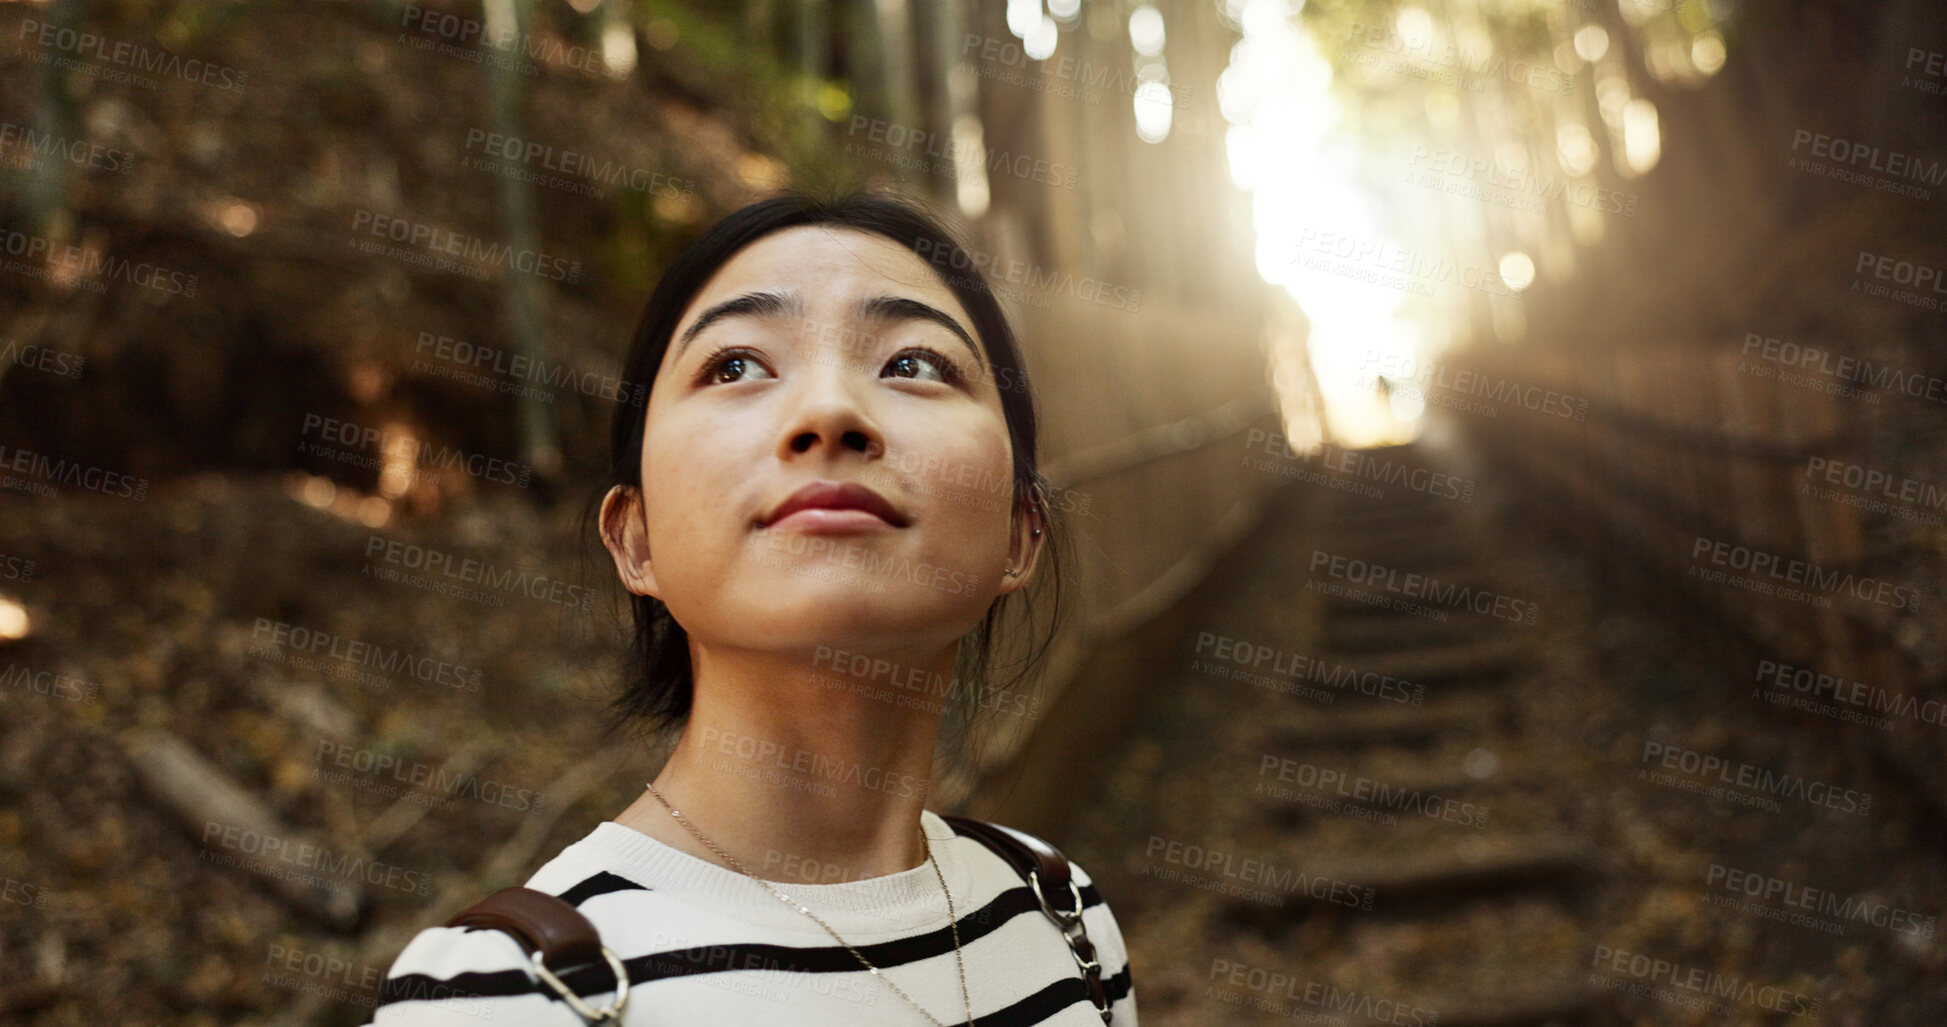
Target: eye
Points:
(729, 364)
(913, 363)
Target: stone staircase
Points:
(1356, 803)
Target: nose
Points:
(829, 417)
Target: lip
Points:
(835, 504)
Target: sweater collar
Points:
(890, 905)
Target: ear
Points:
(1024, 550)
(625, 531)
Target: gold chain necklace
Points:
(953, 919)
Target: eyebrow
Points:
(899, 308)
(750, 304)
(884, 309)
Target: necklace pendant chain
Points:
(953, 919)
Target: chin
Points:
(845, 615)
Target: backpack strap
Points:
(554, 934)
(1047, 872)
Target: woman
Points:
(820, 510)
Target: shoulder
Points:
(464, 975)
(451, 975)
(1023, 852)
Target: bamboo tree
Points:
(520, 308)
(46, 192)
(813, 40)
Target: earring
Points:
(1011, 572)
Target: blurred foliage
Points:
(341, 113)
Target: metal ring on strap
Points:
(1073, 931)
(610, 1013)
(1028, 855)
(1063, 918)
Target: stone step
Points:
(1395, 542)
(1478, 661)
(1455, 565)
(1404, 523)
(1386, 631)
(1471, 867)
(1415, 886)
(1403, 793)
(1537, 1005)
(1390, 724)
(1346, 606)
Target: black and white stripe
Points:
(1019, 968)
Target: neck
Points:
(802, 772)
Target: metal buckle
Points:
(612, 1012)
(1072, 928)
(1086, 966)
(1064, 919)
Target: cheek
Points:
(969, 481)
(690, 478)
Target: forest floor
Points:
(224, 630)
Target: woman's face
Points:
(822, 356)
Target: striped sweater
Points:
(706, 945)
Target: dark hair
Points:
(657, 685)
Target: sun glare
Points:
(1469, 172)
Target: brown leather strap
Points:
(540, 922)
(1024, 852)
(1043, 866)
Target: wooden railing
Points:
(1683, 467)
(1148, 416)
